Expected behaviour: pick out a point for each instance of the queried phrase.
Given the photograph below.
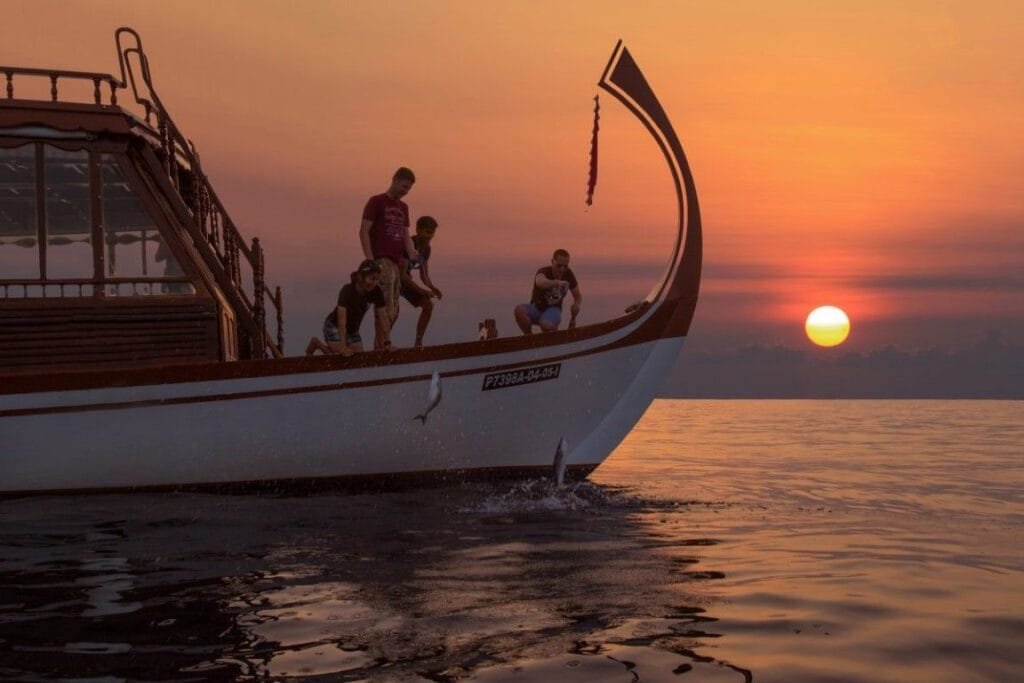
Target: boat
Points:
(153, 367)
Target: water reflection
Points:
(878, 558)
(474, 581)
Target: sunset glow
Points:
(866, 154)
(827, 326)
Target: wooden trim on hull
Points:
(333, 386)
(179, 374)
(215, 371)
(383, 482)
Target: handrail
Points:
(215, 223)
(177, 152)
(56, 74)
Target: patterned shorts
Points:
(332, 334)
(391, 283)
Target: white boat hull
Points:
(291, 427)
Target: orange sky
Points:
(868, 156)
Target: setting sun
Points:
(827, 326)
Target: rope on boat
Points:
(592, 181)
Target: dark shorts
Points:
(414, 297)
(331, 334)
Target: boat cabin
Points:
(114, 248)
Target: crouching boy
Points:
(341, 326)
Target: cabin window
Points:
(71, 225)
(69, 249)
(19, 232)
(135, 248)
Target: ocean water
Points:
(723, 541)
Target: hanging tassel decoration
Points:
(592, 181)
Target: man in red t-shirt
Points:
(384, 235)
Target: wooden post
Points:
(202, 215)
(213, 237)
(259, 310)
(197, 198)
(280, 320)
(98, 229)
(232, 260)
(165, 137)
(41, 208)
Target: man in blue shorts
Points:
(353, 301)
(550, 285)
(420, 296)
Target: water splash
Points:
(544, 495)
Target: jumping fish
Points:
(433, 397)
(558, 464)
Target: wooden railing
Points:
(55, 75)
(181, 163)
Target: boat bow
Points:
(674, 298)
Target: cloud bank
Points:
(990, 368)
